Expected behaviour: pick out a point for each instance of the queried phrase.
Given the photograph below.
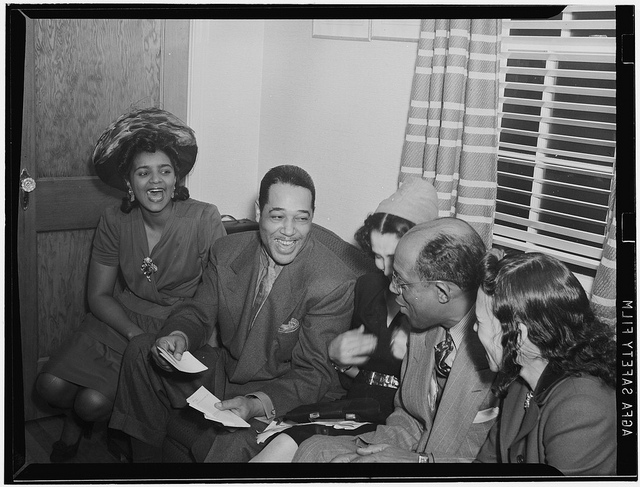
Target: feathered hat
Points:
(113, 143)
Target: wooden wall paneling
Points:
(88, 72)
(175, 72)
(63, 266)
(78, 202)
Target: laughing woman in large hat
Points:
(158, 240)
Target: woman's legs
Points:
(56, 391)
(88, 405)
(280, 449)
(61, 394)
(92, 406)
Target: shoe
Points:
(119, 445)
(61, 452)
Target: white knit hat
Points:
(416, 200)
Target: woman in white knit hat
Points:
(368, 357)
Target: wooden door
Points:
(80, 75)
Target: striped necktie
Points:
(264, 288)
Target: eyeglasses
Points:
(395, 280)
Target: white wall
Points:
(338, 109)
(266, 93)
(224, 110)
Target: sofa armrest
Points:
(232, 225)
(353, 257)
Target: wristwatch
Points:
(341, 369)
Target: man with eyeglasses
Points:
(444, 408)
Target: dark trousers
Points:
(147, 395)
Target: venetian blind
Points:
(557, 134)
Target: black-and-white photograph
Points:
(245, 236)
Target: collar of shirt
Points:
(265, 262)
(459, 331)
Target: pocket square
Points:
(290, 327)
(486, 415)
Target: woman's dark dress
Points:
(93, 354)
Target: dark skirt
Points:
(92, 356)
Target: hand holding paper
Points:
(188, 363)
(204, 401)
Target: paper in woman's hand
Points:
(188, 363)
(204, 401)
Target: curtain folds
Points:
(603, 291)
(452, 131)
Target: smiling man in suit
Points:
(277, 298)
(444, 407)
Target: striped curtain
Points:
(603, 291)
(452, 132)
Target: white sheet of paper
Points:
(204, 401)
(188, 363)
(275, 427)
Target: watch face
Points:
(341, 369)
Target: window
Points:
(557, 135)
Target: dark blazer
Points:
(467, 409)
(570, 424)
(284, 355)
(370, 310)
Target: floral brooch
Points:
(148, 268)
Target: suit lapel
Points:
(530, 420)
(240, 287)
(510, 424)
(282, 300)
(546, 383)
(415, 386)
(467, 386)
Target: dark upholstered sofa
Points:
(185, 425)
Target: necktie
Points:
(441, 370)
(443, 349)
(264, 288)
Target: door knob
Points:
(27, 185)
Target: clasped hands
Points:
(246, 407)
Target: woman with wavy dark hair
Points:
(556, 364)
(158, 241)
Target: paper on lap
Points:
(188, 363)
(276, 427)
(204, 401)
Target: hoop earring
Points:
(132, 197)
(173, 192)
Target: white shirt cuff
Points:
(267, 404)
